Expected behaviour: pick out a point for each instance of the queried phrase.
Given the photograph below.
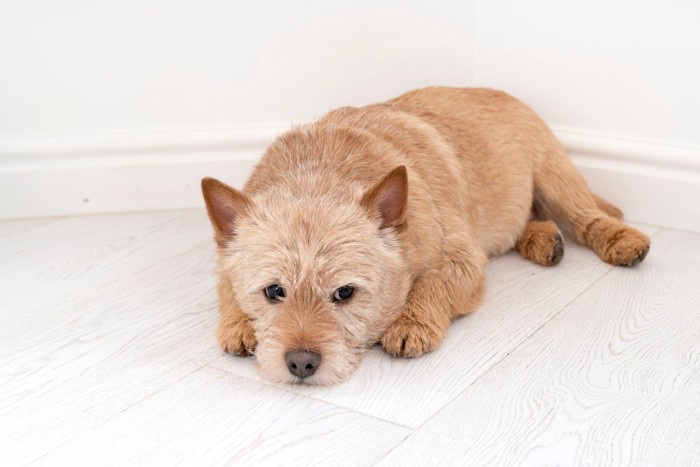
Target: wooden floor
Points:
(107, 356)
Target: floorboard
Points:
(114, 309)
(612, 380)
(108, 356)
(214, 418)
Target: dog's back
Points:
(471, 154)
(481, 164)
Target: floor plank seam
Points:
(315, 399)
(159, 390)
(124, 410)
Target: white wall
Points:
(78, 67)
(623, 67)
(125, 105)
(619, 82)
(112, 106)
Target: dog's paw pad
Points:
(407, 338)
(237, 339)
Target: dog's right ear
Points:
(387, 199)
(224, 205)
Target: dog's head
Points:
(320, 279)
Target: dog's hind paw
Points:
(616, 243)
(408, 338)
(542, 243)
(236, 337)
(629, 249)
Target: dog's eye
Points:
(274, 292)
(343, 293)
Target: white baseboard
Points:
(653, 183)
(124, 172)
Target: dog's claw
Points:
(638, 258)
(557, 251)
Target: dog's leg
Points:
(562, 193)
(607, 207)
(541, 242)
(235, 335)
(436, 297)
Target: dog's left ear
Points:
(388, 198)
(224, 205)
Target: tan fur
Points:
(404, 201)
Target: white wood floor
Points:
(107, 356)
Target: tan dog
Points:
(375, 223)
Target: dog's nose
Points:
(302, 363)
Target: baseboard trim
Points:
(137, 171)
(654, 183)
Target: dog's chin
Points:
(316, 380)
(336, 366)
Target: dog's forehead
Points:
(309, 217)
(306, 240)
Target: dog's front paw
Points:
(236, 336)
(409, 338)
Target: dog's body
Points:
(397, 205)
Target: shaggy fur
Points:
(404, 201)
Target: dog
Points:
(374, 224)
